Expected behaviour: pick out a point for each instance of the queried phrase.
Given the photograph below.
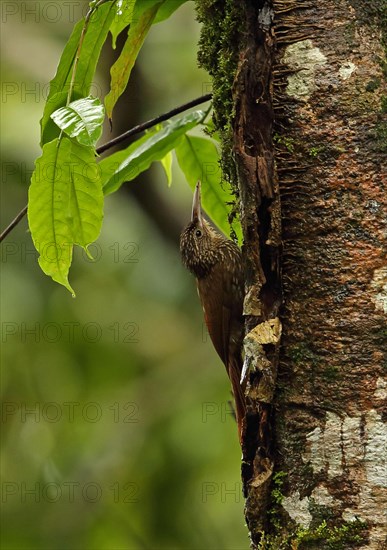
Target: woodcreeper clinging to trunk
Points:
(216, 263)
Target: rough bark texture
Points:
(330, 436)
(260, 214)
(304, 123)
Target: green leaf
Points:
(94, 39)
(86, 197)
(122, 19)
(62, 76)
(166, 163)
(129, 11)
(65, 205)
(210, 130)
(198, 158)
(141, 6)
(122, 68)
(166, 10)
(129, 163)
(82, 119)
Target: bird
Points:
(217, 264)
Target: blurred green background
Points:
(116, 427)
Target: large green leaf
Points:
(65, 205)
(94, 39)
(126, 13)
(122, 68)
(166, 163)
(166, 10)
(198, 158)
(129, 163)
(86, 197)
(81, 119)
(123, 18)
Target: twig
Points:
(135, 130)
(145, 125)
(13, 223)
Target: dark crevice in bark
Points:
(254, 159)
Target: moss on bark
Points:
(218, 54)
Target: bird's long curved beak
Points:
(196, 205)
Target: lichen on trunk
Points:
(329, 428)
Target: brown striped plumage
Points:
(216, 263)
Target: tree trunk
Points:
(298, 98)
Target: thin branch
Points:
(13, 223)
(136, 130)
(153, 122)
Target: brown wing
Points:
(221, 295)
(216, 316)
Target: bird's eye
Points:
(198, 233)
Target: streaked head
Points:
(198, 241)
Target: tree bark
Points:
(307, 114)
(330, 435)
